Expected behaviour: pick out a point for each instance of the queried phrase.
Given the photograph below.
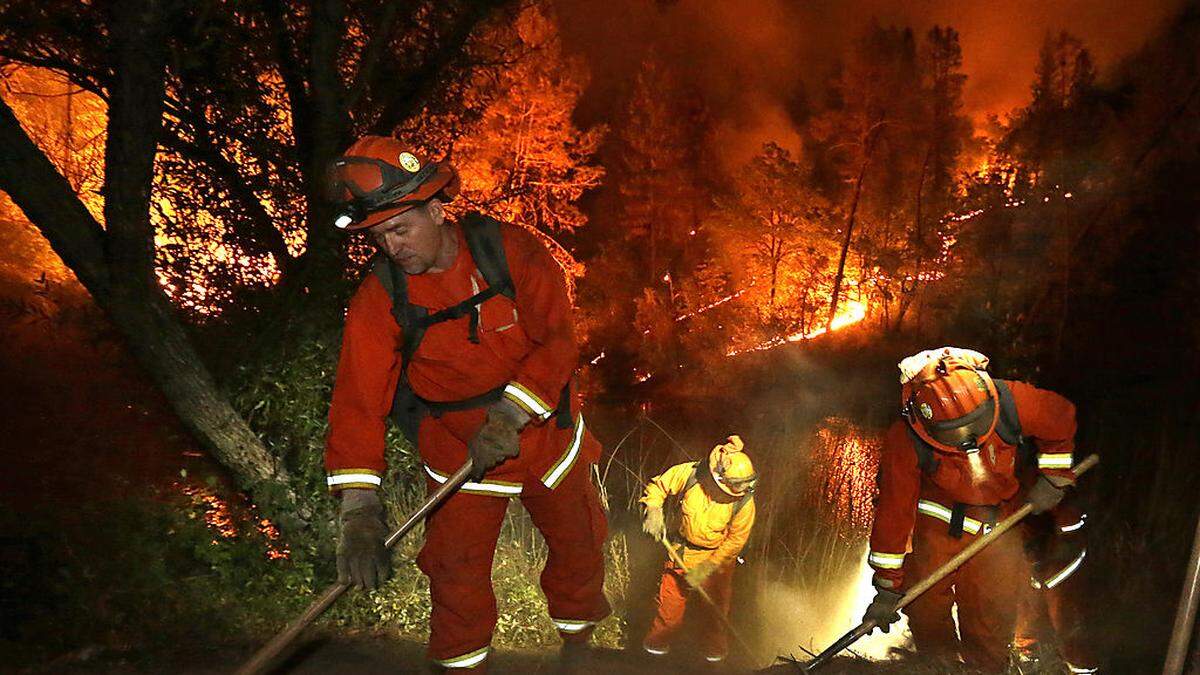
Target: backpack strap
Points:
(1009, 427)
(927, 460)
(746, 498)
(692, 480)
(487, 250)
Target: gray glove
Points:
(654, 524)
(498, 438)
(1044, 495)
(362, 559)
(882, 609)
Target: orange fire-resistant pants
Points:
(1059, 610)
(672, 601)
(460, 542)
(985, 589)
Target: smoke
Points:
(800, 619)
(751, 60)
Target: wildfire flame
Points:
(851, 312)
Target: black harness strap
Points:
(958, 516)
(486, 247)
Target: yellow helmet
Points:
(731, 467)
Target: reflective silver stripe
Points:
(1071, 528)
(1058, 460)
(888, 561)
(343, 478)
(487, 487)
(466, 660)
(1081, 670)
(656, 652)
(556, 473)
(1066, 571)
(527, 400)
(714, 659)
(936, 510)
(571, 626)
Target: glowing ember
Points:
(717, 303)
(219, 517)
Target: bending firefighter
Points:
(1054, 600)
(704, 510)
(462, 334)
(948, 472)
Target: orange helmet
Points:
(378, 177)
(731, 468)
(948, 398)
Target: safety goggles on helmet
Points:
(373, 185)
(953, 406)
(965, 432)
(738, 486)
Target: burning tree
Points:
(521, 157)
(775, 228)
(894, 130)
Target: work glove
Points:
(700, 573)
(882, 609)
(1045, 495)
(654, 524)
(362, 559)
(498, 438)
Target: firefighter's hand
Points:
(654, 524)
(700, 573)
(362, 559)
(498, 438)
(882, 609)
(1045, 495)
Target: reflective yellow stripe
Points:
(572, 626)
(1057, 460)
(494, 488)
(344, 478)
(466, 660)
(936, 510)
(887, 561)
(527, 400)
(560, 469)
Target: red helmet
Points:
(378, 177)
(950, 401)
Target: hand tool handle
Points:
(280, 643)
(939, 574)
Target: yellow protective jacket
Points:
(705, 524)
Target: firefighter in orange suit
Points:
(1054, 599)
(463, 334)
(948, 472)
(713, 501)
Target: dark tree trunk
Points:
(868, 150)
(116, 263)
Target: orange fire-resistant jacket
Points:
(709, 529)
(985, 478)
(527, 346)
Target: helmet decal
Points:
(410, 162)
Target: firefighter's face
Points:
(418, 239)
